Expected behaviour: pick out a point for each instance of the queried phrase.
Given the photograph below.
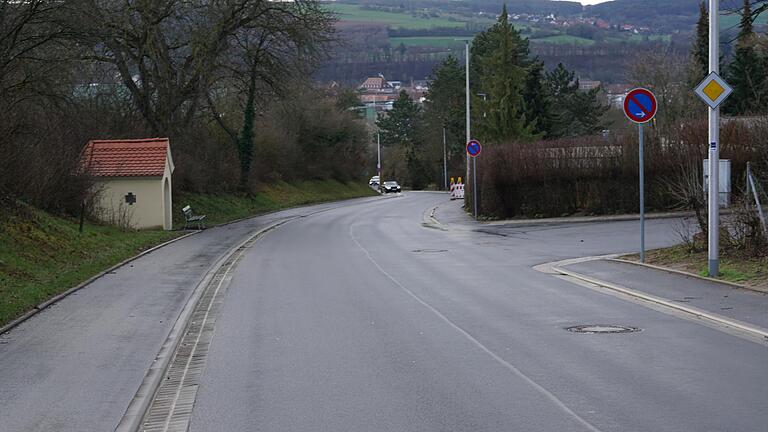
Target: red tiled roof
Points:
(125, 158)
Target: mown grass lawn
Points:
(42, 255)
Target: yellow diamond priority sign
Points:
(713, 90)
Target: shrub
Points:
(593, 175)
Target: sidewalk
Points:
(76, 365)
(740, 304)
(452, 213)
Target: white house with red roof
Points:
(133, 180)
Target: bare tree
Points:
(167, 52)
(265, 56)
(32, 53)
(664, 71)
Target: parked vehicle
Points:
(390, 186)
(374, 181)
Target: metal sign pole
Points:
(378, 151)
(642, 195)
(714, 148)
(474, 183)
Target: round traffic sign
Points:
(640, 105)
(474, 148)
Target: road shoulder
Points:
(726, 304)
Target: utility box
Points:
(724, 194)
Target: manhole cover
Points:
(602, 328)
(429, 250)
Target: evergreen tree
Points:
(500, 64)
(746, 74)
(573, 112)
(700, 50)
(488, 41)
(399, 128)
(561, 86)
(586, 112)
(537, 106)
(445, 104)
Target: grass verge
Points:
(277, 196)
(42, 255)
(749, 271)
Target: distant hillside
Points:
(523, 6)
(654, 13)
(475, 6)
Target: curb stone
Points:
(695, 312)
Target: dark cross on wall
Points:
(130, 198)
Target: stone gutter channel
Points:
(167, 394)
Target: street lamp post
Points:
(445, 163)
(469, 132)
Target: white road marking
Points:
(549, 395)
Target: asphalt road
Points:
(363, 319)
(76, 365)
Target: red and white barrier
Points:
(457, 190)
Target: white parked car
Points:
(374, 181)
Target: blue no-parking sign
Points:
(474, 148)
(640, 105)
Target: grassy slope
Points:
(42, 255)
(223, 208)
(751, 271)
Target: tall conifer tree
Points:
(746, 74)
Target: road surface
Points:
(76, 365)
(363, 319)
(358, 317)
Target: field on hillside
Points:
(347, 12)
(431, 41)
(730, 21)
(550, 35)
(565, 39)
